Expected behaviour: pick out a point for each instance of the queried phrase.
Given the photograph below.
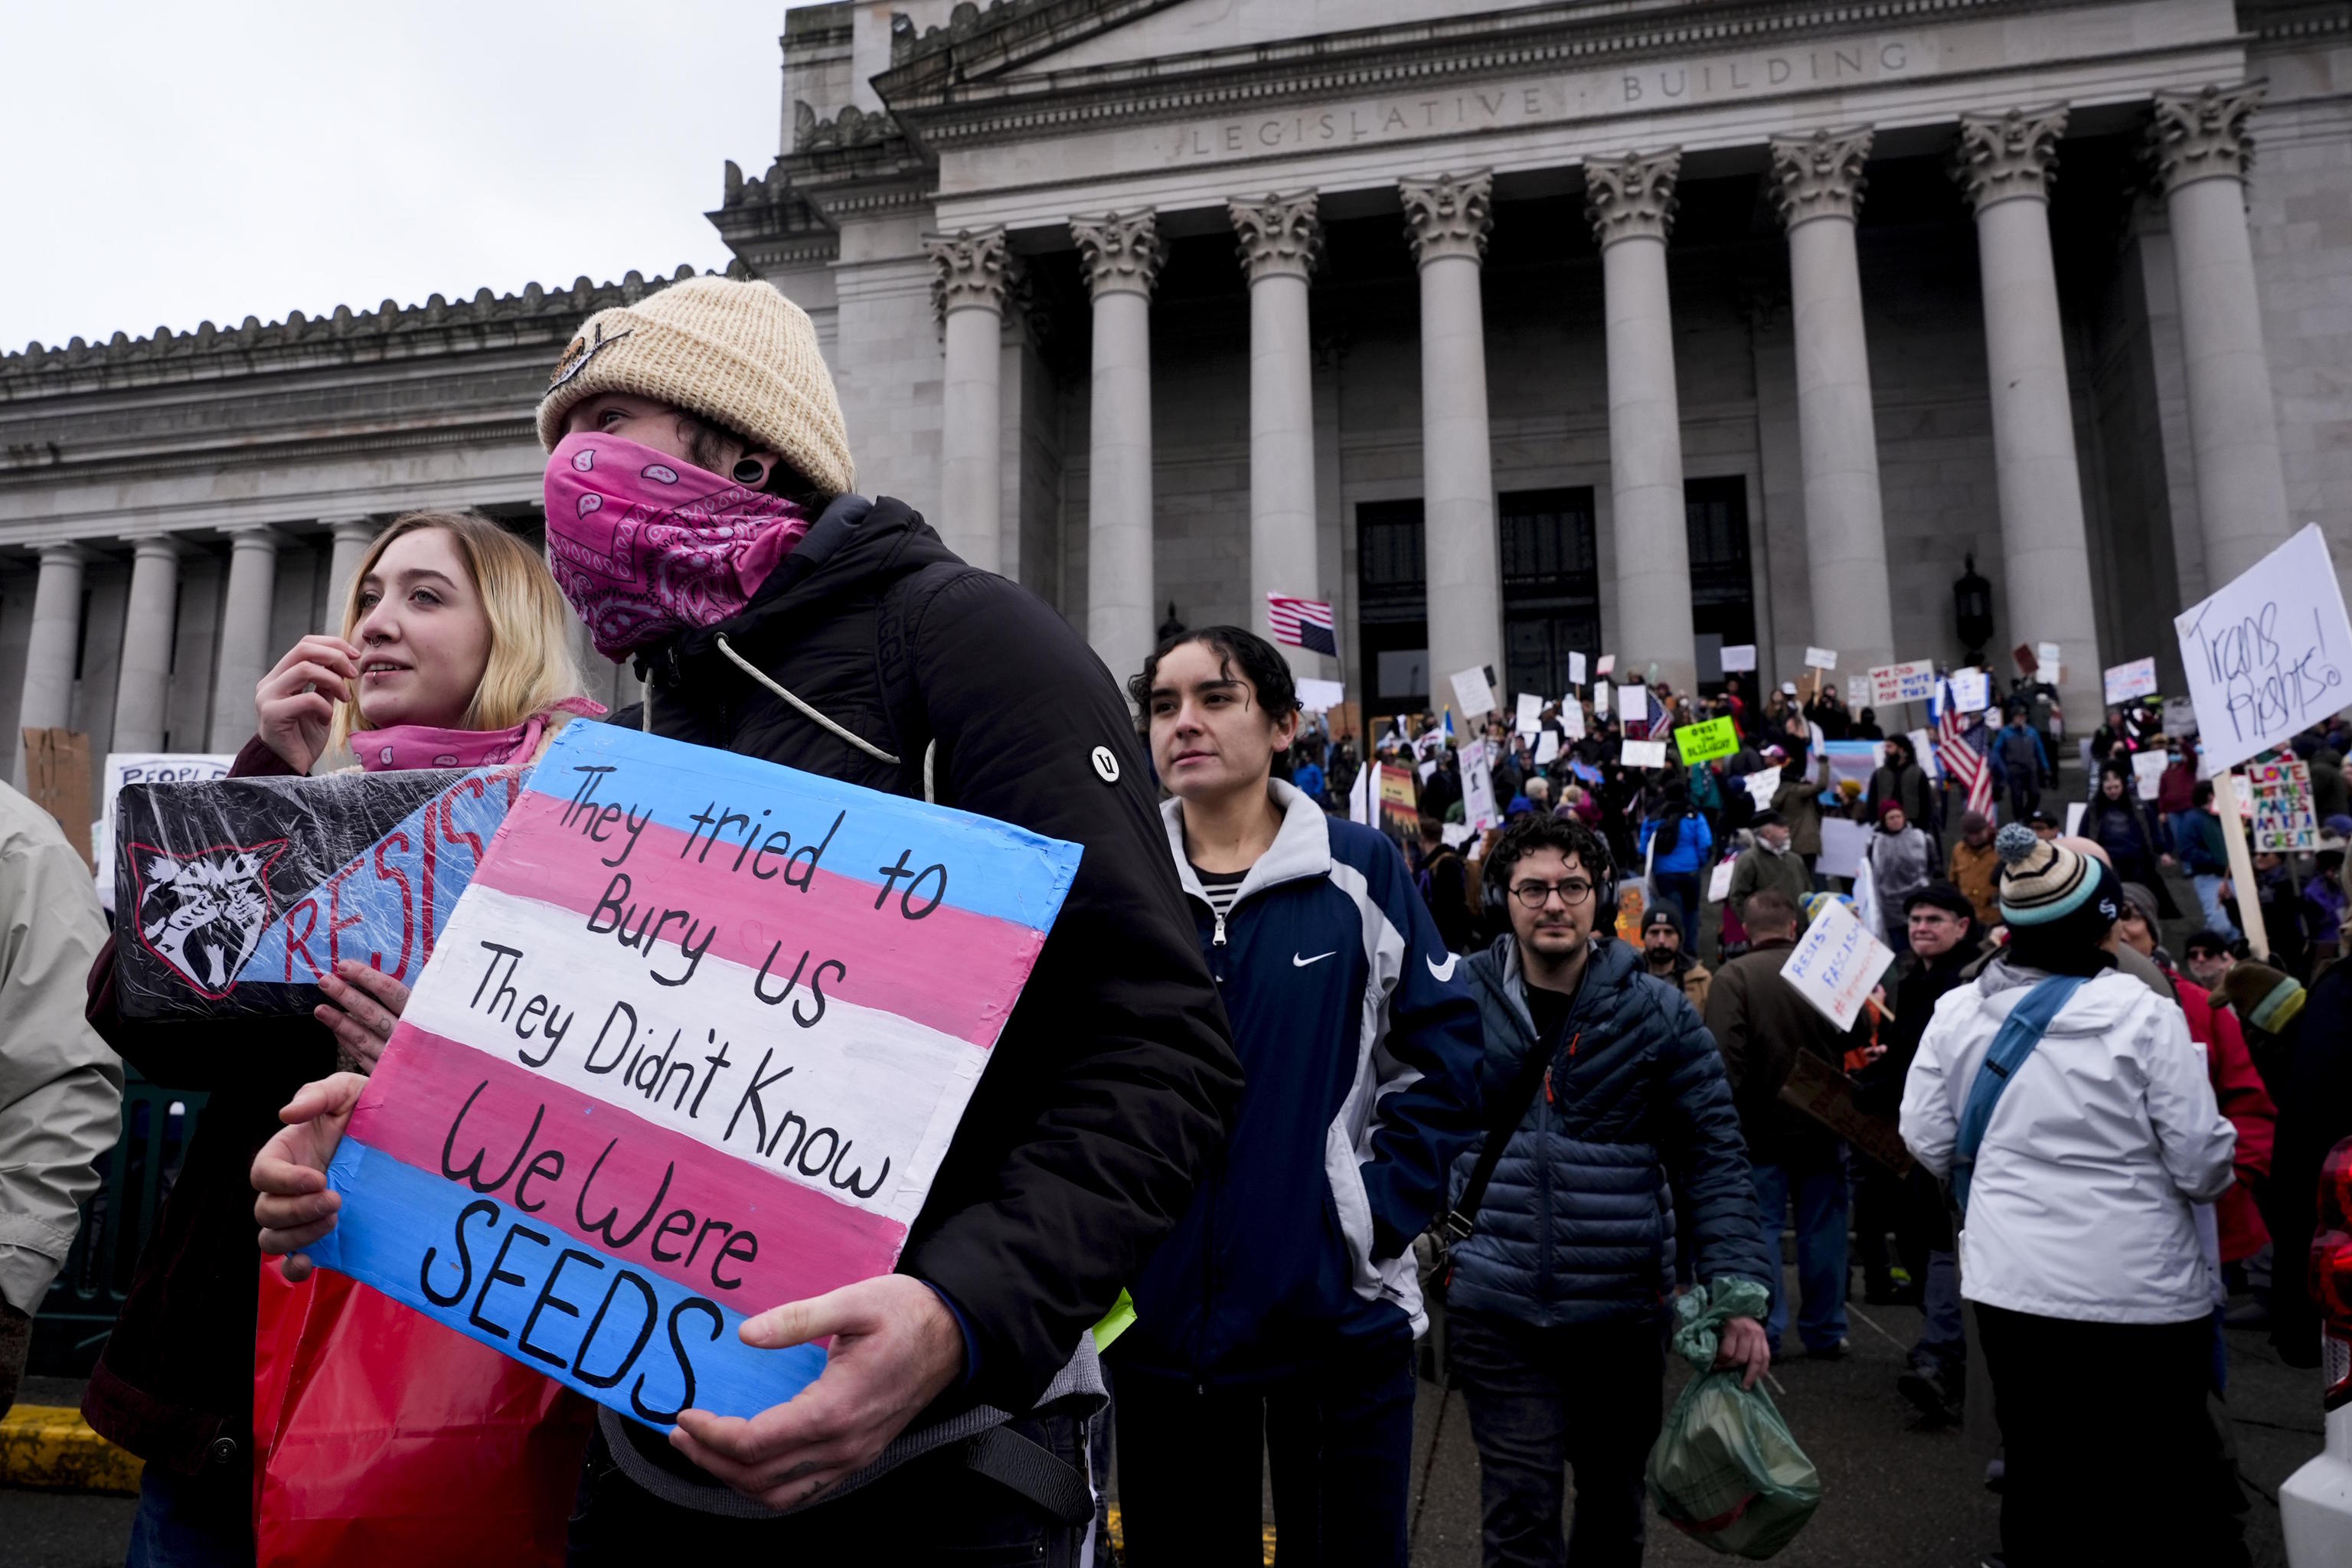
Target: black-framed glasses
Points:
(1572, 892)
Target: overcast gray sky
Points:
(174, 163)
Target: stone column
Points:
(144, 684)
(1817, 185)
(2202, 153)
(1631, 202)
(2004, 165)
(969, 294)
(1446, 219)
(1121, 255)
(1280, 239)
(46, 703)
(352, 535)
(245, 654)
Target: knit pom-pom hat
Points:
(736, 353)
(2040, 881)
(2264, 997)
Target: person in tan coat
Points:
(1974, 868)
(60, 1088)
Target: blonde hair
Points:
(530, 668)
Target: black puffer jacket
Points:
(1578, 1225)
(1114, 1083)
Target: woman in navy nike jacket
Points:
(1286, 1295)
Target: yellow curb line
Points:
(52, 1448)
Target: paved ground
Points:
(1898, 1494)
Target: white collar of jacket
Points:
(2099, 1004)
(1301, 847)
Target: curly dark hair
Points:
(1544, 831)
(1260, 662)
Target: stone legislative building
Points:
(1514, 330)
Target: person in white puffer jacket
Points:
(2078, 1240)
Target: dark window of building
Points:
(1723, 587)
(1392, 604)
(1551, 587)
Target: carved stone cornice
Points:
(970, 271)
(1448, 214)
(2006, 155)
(1281, 237)
(1631, 197)
(1818, 175)
(1120, 252)
(2202, 135)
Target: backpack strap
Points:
(2019, 1033)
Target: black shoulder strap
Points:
(902, 699)
(1509, 1110)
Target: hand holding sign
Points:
(2268, 654)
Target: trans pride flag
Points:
(693, 1044)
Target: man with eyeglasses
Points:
(1559, 1291)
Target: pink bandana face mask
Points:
(399, 746)
(646, 546)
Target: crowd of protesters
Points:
(1288, 1080)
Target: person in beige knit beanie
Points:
(702, 520)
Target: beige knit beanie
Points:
(735, 353)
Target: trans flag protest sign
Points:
(236, 895)
(692, 1045)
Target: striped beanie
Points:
(2041, 882)
(2263, 996)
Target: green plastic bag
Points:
(1725, 1470)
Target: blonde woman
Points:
(455, 652)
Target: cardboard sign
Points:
(1718, 882)
(1479, 807)
(1632, 703)
(1320, 696)
(236, 896)
(1923, 746)
(1762, 787)
(1400, 800)
(1472, 693)
(1704, 743)
(2284, 822)
(1739, 658)
(1836, 963)
(2180, 717)
(2270, 654)
(2045, 654)
(1576, 669)
(1454, 835)
(1642, 753)
(2148, 772)
(2126, 681)
(1842, 843)
(1971, 690)
(1826, 1095)
(1821, 658)
(1607, 666)
(685, 989)
(57, 779)
(1530, 716)
(1601, 690)
(1571, 720)
(1914, 681)
(1857, 692)
(2027, 665)
(1546, 747)
(143, 767)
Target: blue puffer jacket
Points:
(1578, 1225)
(1361, 1064)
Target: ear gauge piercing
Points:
(750, 471)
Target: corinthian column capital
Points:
(2202, 135)
(1448, 214)
(1818, 175)
(1121, 253)
(971, 270)
(1281, 237)
(2010, 154)
(1632, 195)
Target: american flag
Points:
(1962, 762)
(1302, 622)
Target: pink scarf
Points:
(400, 746)
(646, 546)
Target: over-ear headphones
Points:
(1596, 862)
